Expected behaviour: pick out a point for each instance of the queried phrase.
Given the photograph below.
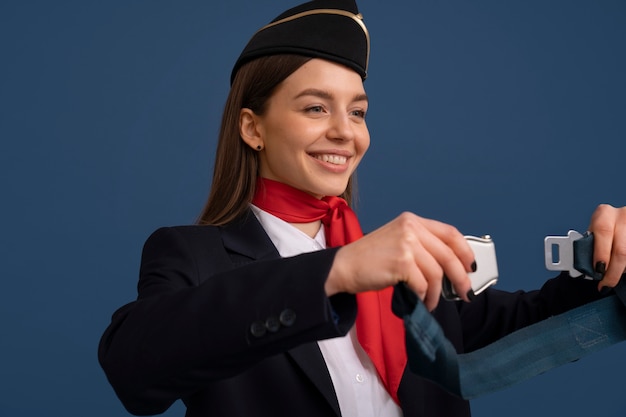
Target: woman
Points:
(254, 311)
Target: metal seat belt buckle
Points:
(560, 254)
(486, 273)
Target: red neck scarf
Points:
(380, 332)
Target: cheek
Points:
(364, 143)
(282, 152)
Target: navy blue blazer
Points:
(226, 325)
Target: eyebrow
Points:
(327, 95)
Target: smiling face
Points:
(313, 133)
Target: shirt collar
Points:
(288, 239)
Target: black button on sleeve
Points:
(272, 324)
(257, 329)
(287, 317)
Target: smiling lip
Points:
(332, 159)
(335, 161)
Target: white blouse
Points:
(359, 389)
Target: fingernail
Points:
(604, 291)
(471, 295)
(474, 266)
(600, 267)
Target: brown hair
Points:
(236, 164)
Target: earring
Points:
(259, 147)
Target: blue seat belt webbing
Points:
(518, 356)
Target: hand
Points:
(409, 249)
(608, 225)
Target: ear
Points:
(249, 129)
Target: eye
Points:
(358, 113)
(315, 109)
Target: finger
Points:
(614, 273)
(433, 293)
(417, 267)
(455, 240)
(603, 228)
(458, 277)
(617, 263)
(449, 264)
(416, 281)
(425, 266)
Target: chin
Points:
(333, 191)
(321, 188)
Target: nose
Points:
(340, 128)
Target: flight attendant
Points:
(275, 304)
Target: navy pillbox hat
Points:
(328, 29)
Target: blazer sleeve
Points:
(198, 318)
(494, 314)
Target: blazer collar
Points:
(245, 236)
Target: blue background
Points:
(507, 118)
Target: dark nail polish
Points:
(474, 266)
(604, 291)
(600, 267)
(471, 295)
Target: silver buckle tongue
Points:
(563, 248)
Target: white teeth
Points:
(333, 159)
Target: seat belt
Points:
(520, 355)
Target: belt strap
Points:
(518, 356)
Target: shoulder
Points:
(177, 241)
(245, 224)
(245, 227)
(186, 232)
(241, 241)
(183, 235)
(188, 252)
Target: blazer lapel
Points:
(309, 358)
(246, 241)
